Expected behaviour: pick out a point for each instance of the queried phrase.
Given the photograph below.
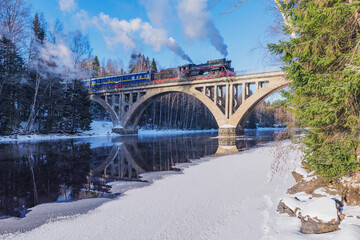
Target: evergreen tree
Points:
(38, 28)
(11, 100)
(37, 68)
(147, 64)
(76, 113)
(153, 65)
(96, 66)
(323, 62)
(132, 63)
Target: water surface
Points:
(32, 173)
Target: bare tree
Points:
(80, 46)
(14, 20)
(56, 32)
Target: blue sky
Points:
(114, 33)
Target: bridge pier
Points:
(229, 99)
(227, 130)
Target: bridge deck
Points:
(205, 82)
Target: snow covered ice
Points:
(228, 197)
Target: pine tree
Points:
(36, 64)
(76, 113)
(147, 64)
(11, 100)
(324, 65)
(153, 65)
(96, 67)
(38, 28)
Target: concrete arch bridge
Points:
(230, 99)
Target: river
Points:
(39, 172)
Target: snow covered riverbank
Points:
(98, 129)
(228, 197)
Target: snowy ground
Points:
(228, 197)
(98, 129)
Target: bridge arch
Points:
(244, 111)
(114, 117)
(220, 96)
(137, 109)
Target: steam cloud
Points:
(126, 32)
(197, 23)
(57, 60)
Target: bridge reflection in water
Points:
(34, 173)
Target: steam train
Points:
(210, 69)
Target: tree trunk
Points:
(160, 126)
(169, 110)
(31, 119)
(286, 19)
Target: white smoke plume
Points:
(57, 60)
(126, 32)
(197, 23)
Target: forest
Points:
(36, 58)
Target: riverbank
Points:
(228, 197)
(98, 129)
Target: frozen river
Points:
(46, 179)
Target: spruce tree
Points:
(11, 99)
(96, 66)
(323, 62)
(76, 113)
(153, 65)
(38, 28)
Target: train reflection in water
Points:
(40, 172)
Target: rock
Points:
(351, 195)
(317, 195)
(342, 216)
(319, 215)
(282, 208)
(310, 225)
(297, 176)
(308, 186)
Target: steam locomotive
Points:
(189, 72)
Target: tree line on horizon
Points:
(37, 59)
(32, 98)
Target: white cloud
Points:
(159, 11)
(194, 17)
(124, 32)
(67, 5)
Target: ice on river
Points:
(228, 197)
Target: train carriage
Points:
(210, 69)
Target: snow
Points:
(227, 197)
(227, 126)
(321, 208)
(98, 129)
(292, 203)
(322, 191)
